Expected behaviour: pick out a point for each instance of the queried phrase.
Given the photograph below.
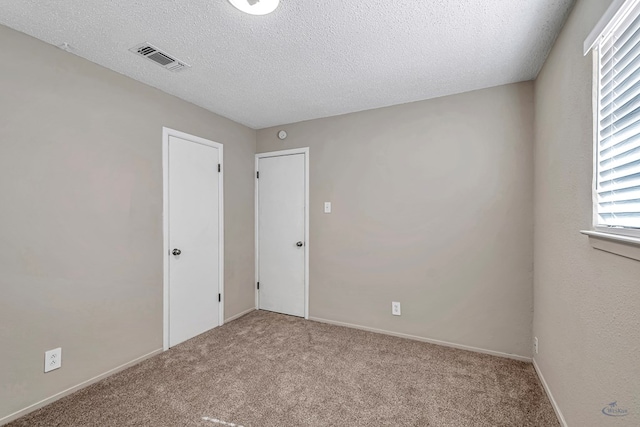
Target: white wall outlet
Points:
(535, 344)
(52, 359)
(327, 207)
(395, 308)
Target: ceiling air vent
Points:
(161, 58)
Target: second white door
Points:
(281, 233)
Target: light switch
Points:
(327, 207)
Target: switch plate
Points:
(395, 308)
(52, 359)
(327, 207)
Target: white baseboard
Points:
(75, 388)
(423, 339)
(547, 390)
(239, 315)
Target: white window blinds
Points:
(617, 169)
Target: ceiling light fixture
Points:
(255, 7)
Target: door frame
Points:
(166, 133)
(305, 151)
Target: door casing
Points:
(166, 133)
(304, 151)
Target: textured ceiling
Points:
(309, 58)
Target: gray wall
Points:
(432, 207)
(81, 210)
(587, 302)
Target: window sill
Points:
(625, 246)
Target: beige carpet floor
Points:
(266, 369)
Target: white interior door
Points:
(281, 233)
(194, 238)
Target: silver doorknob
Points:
(176, 252)
(299, 244)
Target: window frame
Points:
(624, 14)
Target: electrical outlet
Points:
(395, 308)
(52, 359)
(535, 344)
